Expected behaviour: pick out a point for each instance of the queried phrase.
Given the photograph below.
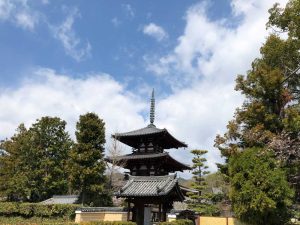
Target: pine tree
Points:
(200, 201)
(86, 164)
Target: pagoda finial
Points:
(152, 108)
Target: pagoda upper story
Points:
(149, 139)
(148, 157)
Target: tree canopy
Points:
(267, 125)
(259, 191)
(33, 161)
(201, 200)
(270, 115)
(86, 164)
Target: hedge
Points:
(52, 221)
(178, 222)
(108, 223)
(46, 221)
(28, 210)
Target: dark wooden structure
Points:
(149, 185)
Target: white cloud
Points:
(71, 42)
(25, 20)
(19, 13)
(129, 10)
(201, 69)
(48, 93)
(155, 31)
(22, 14)
(191, 115)
(196, 114)
(6, 7)
(214, 49)
(115, 21)
(45, 2)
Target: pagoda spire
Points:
(152, 108)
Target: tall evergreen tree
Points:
(13, 158)
(269, 117)
(87, 164)
(33, 161)
(200, 201)
(50, 145)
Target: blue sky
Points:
(66, 58)
(113, 30)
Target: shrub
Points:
(8, 209)
(178, 222)
(108, 223)
(25, 209)
(34, 221)
(35, 209)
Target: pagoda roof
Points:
(124, 160)
(150, 186)
(166, 140)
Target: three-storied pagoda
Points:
(149, 186)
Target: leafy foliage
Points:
(260, 193)
(270, 116)
(108, 223)
(55, 221)
(51, 145)
(18, 220)
(33, 161)
(178, 222)
(13, 161)
(27, 210)
(200, 201)
(217, 180)
(86, 164)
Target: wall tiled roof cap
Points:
(61, 199)
(102, 209)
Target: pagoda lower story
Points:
(150, 198)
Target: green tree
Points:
(13, 158)
(201, 201)
(33, 161)
(269, 100)
(286, 20)
(50, 146)
(86, 165)
(270, 115)
(260, 193)
(218, 180)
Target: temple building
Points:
(150, 189)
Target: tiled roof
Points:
(124, 159)
(132, 138)
(61, 199)
(150, 129)
(138, 156)
(150, 186)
